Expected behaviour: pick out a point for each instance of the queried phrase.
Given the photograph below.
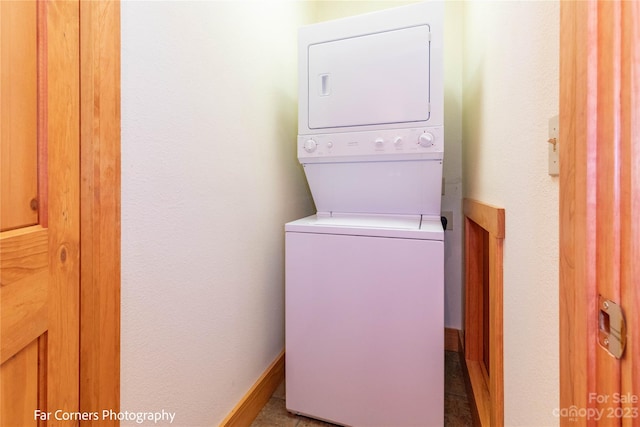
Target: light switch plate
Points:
(554, 158)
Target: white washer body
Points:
(365, 320)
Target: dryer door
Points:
(379, 78)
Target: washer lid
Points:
(398, 226)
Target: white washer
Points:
(365, 320)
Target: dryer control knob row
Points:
(426, 139)
(310, 146)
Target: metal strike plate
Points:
(612, 329)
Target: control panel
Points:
(423, 143)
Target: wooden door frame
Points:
(598, 196)
(61, 99)
(574, 304)
(100, 206)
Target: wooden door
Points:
(60, 181)
(599, 210)
(40, 226)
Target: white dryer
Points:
(364, 287)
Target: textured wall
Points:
(209, 177)
(452, 172)
(510, 90)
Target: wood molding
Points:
(484, 235)
(63, 100)
(100, 207)
(451, 339)
(478, 392)
(489, 217)
(257, 396)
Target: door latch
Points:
(612, 329)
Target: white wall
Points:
(209, 177)
(452, 168)
(510, 88)
(335, 9)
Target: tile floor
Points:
(456, 405)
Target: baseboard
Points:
(451, 339)
(252, 403)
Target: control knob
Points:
(310, 146)
(426, 140)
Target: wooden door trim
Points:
(576, 179)
(63, 100)
(100, 206)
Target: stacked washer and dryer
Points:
(365, 275)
